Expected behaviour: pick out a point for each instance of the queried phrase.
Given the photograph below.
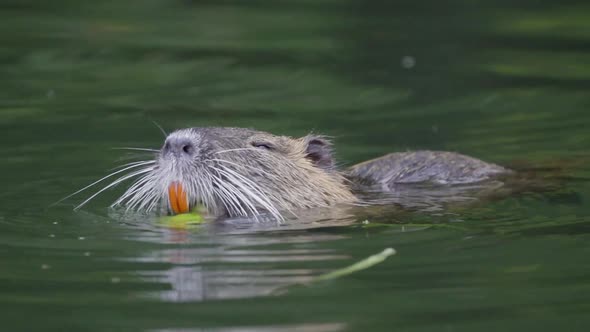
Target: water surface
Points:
(504, 81)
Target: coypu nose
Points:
(179, 146)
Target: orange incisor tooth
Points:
(177, 197)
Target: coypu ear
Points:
(319, 150)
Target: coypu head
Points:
(237, 172)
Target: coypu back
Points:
(435, 167)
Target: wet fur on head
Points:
(239, 172)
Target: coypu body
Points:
(244, 172)
(437, 167)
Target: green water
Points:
(506, 81)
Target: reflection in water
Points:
(293, 328)
(239, 258)
(220, 266)
(432, 198)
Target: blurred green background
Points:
(505, 81)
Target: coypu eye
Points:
(262, 145)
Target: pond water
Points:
(505, 81)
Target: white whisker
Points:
(160, 127)
(229, 197)
(237, 149)
(136, 149)
(96, 182)
(136, 187)
(256, 169)
(250, 189)
(254, 185)
(236, 193)
(134, 164)
(114, 183)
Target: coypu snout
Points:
(178, 146)
(238, 172)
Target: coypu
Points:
(245, 172)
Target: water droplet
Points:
(81, 238)
(115, 280)
(55, 222)
(45, 266)
(408, 62)
(51, 235)
(50, 93)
